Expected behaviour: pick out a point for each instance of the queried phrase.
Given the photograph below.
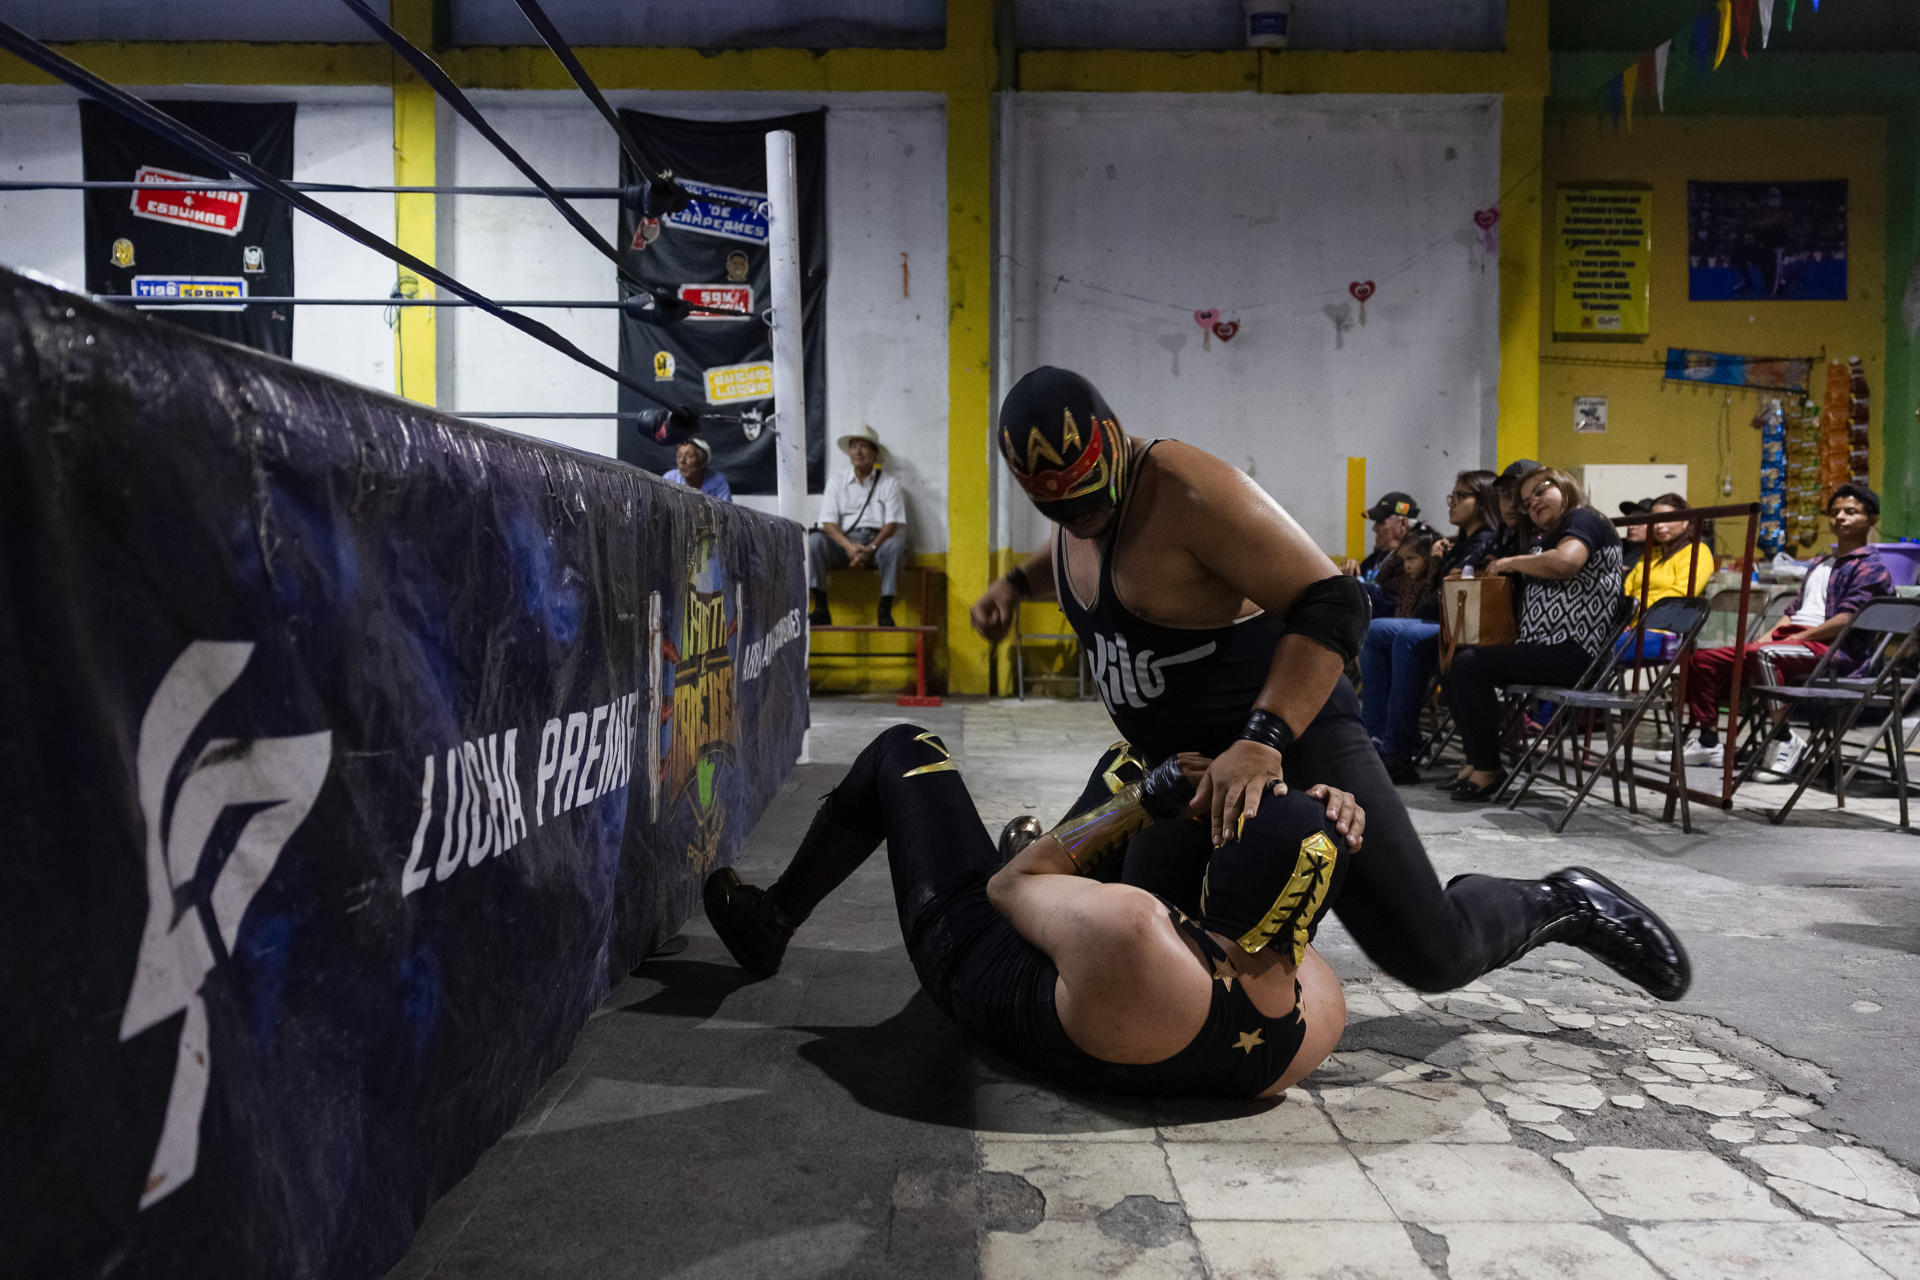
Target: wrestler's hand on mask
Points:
(1235, 783)
(1348, 818)
(992, 613)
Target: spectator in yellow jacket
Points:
(1671, 567)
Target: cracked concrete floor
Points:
(1548, 1121)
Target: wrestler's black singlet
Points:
(998, 986)
(1168, 689)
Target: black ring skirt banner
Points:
(348, 753)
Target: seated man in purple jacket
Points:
(1835, 588)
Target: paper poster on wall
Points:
(1766, 241)
(1603, 255)
(1590, 415)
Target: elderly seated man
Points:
(863, 525)
(693, 467)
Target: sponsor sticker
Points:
(221, 212)
(221, 293)
(663, 366)
(123, 252)
(736, 265)
(253, 260)
(740, 382)
(730, 222)
(735, 299)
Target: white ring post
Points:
(789, 359)
(789, 351)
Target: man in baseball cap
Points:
(1390, 515)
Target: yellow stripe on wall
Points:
(1356, 508)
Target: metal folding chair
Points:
(1021, 679)
(1839, 701)
(1621, 708)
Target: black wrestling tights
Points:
(1430, 938)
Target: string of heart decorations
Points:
(1224, 323)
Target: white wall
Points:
(1129, 212)
(338, 136)
(886, 195)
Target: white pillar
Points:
(789, 357)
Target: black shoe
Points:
(886, 611)
(819, 617)
(1467, 793)
(1451, 784)
(1623, 933)
(1401, 770)
(747, 921)
(1017, 835)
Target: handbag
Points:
(1476, 611)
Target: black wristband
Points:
(1165, 791)
(1269, 730)
(1017, 577)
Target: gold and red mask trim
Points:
(1063, 481)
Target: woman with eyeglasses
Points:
(1566, 617)
(1400, 655)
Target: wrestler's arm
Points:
(1243, 537)
(992, 613)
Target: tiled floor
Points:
(1545, 1122)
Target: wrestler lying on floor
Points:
(1099, 986)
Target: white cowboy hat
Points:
(706, 450)
(863, 432)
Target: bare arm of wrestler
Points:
(1209, 545)
(992, 613)
(1131, 988)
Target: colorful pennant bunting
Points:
(1660, 73)
(1726, 33)
(1766, 21)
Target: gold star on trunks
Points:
(1223, 970)
(1248, 1041)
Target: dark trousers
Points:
(1478, 672)
(1386, 895)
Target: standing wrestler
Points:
(1216, 626)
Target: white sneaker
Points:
(1691, 752)
(1786, 758)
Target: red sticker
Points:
(1485, 218)
(1225, 329)
(221, 212)
(1361, 289)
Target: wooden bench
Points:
(920, 634)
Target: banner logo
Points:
(122, 252)
(663, 366)
(699, 726)
(199, 888)
(740, 382)
(222, 293)
(221, 212)
(727, 221)
(736, 266)
(736, 299)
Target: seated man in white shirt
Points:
(862, 526)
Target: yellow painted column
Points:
(416, 335)
(1522, 137)
(1356, 508)
(1522, 148)
(969, 380)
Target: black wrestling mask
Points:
(1272, 882)
(1063, 444)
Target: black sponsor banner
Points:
(215, 246)
(715, 256)
(348, 752)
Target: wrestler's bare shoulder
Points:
(1191, 480)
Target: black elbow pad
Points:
(1333, 612)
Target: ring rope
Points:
(146, 114)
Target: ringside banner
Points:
(190, 242)
(350, 753)
(720, 361)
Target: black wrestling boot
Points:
(756, 924)
(886, 611)
(1584, 909)
(820, 617)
